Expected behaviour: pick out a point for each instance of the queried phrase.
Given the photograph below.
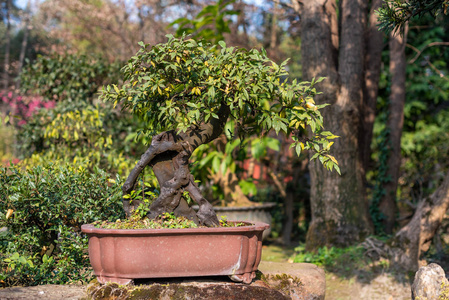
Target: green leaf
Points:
(337, 168)
(298, 149)
(248, 187)
(216, 164)
(273, 143)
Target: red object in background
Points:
(7, 162)
(24, 107)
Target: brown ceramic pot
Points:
(121, 255)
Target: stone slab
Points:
(275, 281)
(312, 279)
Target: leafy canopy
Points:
(183, 83)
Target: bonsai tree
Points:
(185, 91)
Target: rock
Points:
(185, 290)
(285, 276)
(430, 283)
(275, 281)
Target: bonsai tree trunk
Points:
(169, 155)
(406, 246)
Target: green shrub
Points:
(68, 77)
(332, 259)
(83, 134)
(43, 243)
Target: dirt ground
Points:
(382, 287)
(366, 286)
(50, 292)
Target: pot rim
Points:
(264, 206)
(255, 226)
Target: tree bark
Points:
(273, 32)
(169, 155)
(7, 45)
(373, 55)
(339, 206)
(26, 32)
(398, 63)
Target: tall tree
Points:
(374, 45)
(395, 121)
(8, 6)
(334, 45)
(26, 33)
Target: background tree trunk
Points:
(7, 45)
(339, 206)
(398, 63)
(26, 32)
(373, 56)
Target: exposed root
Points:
(377, 249)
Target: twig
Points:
(419, 52)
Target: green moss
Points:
(166, 220)
(181, 291)
(281, 282)
(147, 292)
(444, 294)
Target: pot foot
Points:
(245, 277)
(121, 281)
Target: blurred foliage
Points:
(7, 135)
(424, 141)
(382, 154)
(209, 24)
(330, 258)
(230, 153)
(68, 77)
(79, 129)
(83, 134)
(43, 209)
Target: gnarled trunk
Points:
(169, 155)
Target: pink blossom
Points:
(25, 107)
